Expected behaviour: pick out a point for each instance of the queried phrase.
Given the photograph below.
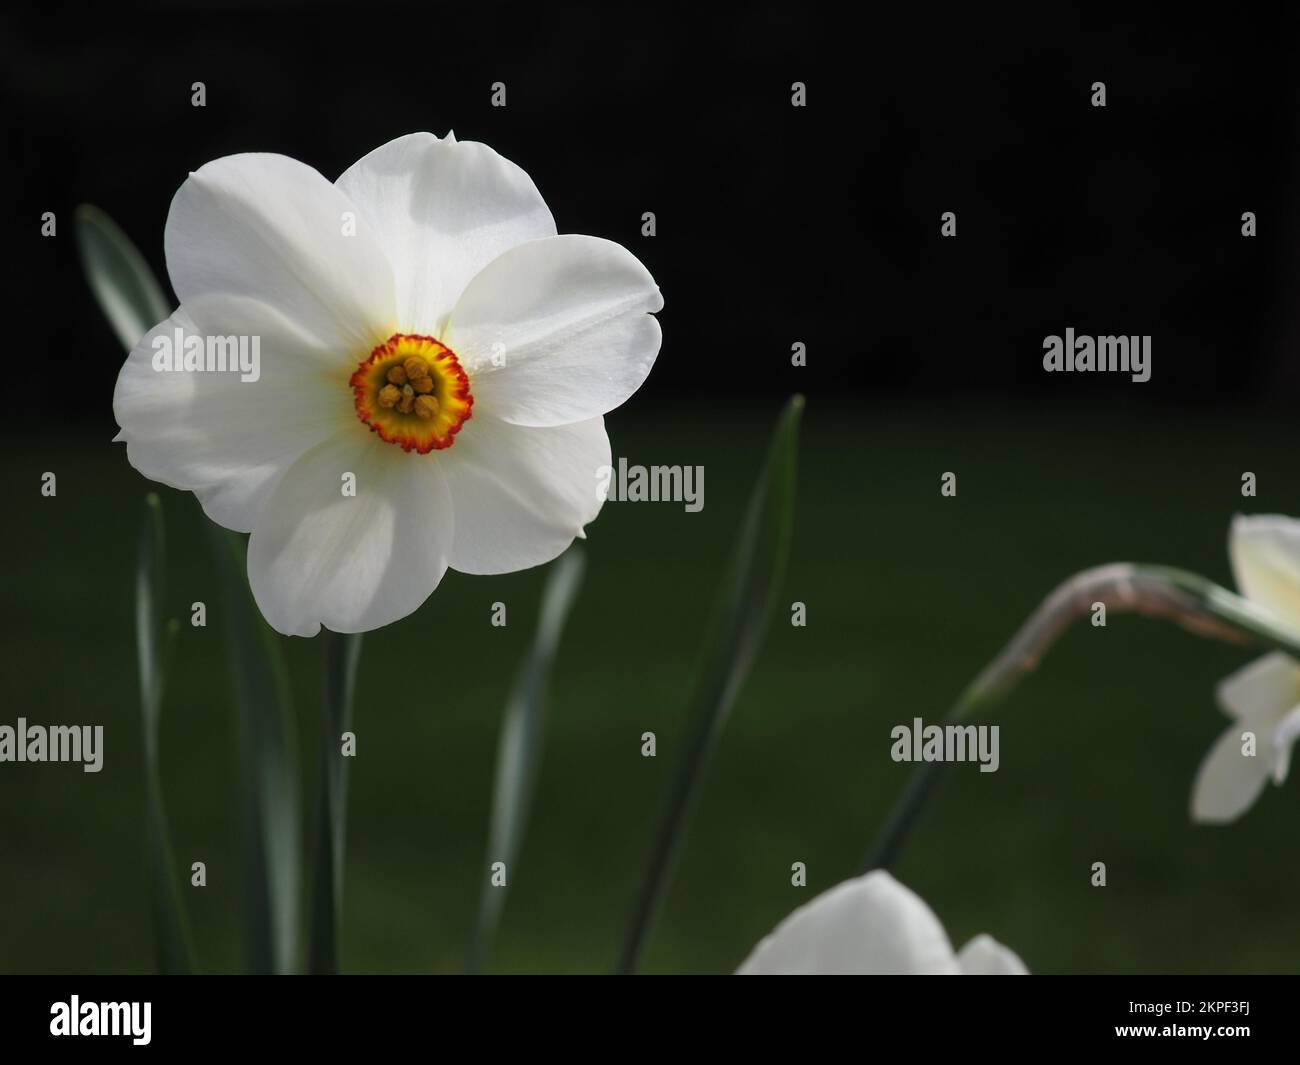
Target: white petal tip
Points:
(1202, 814)
(871, 924)
(985, 956)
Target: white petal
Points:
(317, 557)
(1265, 553)
(1284, 737)
(1228, 782)
(221, 437)
(443, 210)
(521, 495)
(1268, 684)
(869, 925)
(557, 330)
(985, 956)
(271, 228)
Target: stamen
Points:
(413, 392)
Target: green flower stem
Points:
(342, 653)
(155, 641)
(271, 809)
(1199, 605)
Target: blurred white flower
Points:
(1263, 699)
(422, 329)
(873, 925)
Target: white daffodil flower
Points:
(1263, 699)
(873, 925)
(425, 338)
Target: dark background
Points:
(775, 224)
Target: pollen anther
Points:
(413, 392)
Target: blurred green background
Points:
(908, 594)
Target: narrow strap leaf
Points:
(519, 751)
(124, 286)
(746, 598)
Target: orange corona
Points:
(412, 391)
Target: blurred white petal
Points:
(869, 925)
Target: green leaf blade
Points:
(745, 602)
(520, 748)
(124, 286)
